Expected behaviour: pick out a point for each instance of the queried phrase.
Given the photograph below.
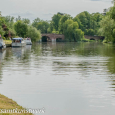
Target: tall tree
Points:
(33, 33)
(62, 21)
(35, 22)
(20, 28)
(55, 19)
(26, 21)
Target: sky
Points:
(45, 9)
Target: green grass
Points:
(88, 40)
(8, 41)
(6, 103)
(85, 40)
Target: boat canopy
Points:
(17, 38)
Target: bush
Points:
(33, 33)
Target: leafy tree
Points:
(107, 26)
(20, 28)
(55, 19)
(89, 23)
(43, 26)
(35, 22)
(71, 31)
(51, 28)
(55, 32)
(89, 32)
(18, 18)
(62, 21)
(26, 21)
(12, 33)
(9, 21)
(2, 32)
(78, 35)
(76, 19)
(33, 33)
(84, 18)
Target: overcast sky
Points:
(45, 9)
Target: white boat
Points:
(18, 42)
(28, 41)
(2, 44)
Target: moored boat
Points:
(2, 43)
(28, 41)
(18, 42)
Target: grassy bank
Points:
(8, 41)
(88, 40)
(9, 104)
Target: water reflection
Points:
(65, 78)
(2, 56)
(21, 52)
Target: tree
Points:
(43, 26)
(51, 28)
(9, 21)
(62, 21)
(2, 32)
(20, 28)
(35, 22)
(33, 33)
(55, 19)
(26, 21)
(71, 31)
(84, 18)
(76, 19)
(18, 18)
(107, 27)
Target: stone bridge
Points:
(53, 37)
(94, 37)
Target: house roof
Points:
(17, 38)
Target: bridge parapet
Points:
(53, 37)
(94, 37)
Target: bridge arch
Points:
(46, 39)
(92, 38)
(53, 37)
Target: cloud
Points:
(45, 9)
(102, 0)
(96, 0)
(22, 14)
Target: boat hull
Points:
(18, 44)
(28, 43)
(2, 46)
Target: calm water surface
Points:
(64, 78)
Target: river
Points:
(62, 78)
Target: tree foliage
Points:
(71, 31)
(33, 33)
(107, 26)
(41, 25)
(55, 21)
(20, 28)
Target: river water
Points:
(62, 78)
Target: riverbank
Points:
(9, 104)
(8, 43)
